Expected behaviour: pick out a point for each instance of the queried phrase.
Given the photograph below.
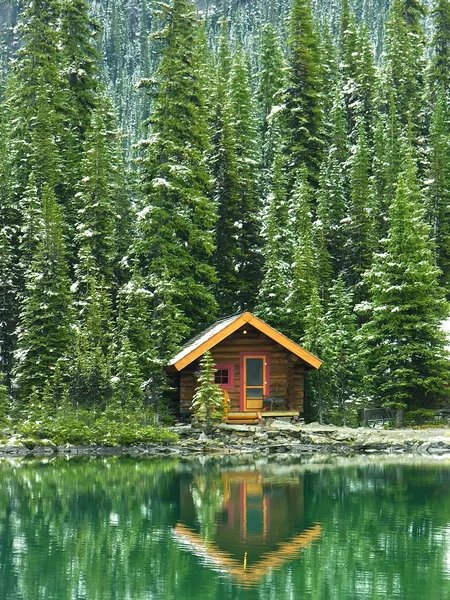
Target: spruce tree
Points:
(175, 225)
(361, 226)
(224, 166)
(208, 402)
(34, 86)
(340, 322)
(405, 45)
(271, 82)
(318, 401)
(304, 265)
(127, 380)
(277, 253)
(9, 271)
(248, 267)
(99, 190)
(303, 97)
(438, 193)
(44, 324)
(402, 343)
(440, 63)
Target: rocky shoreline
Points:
(274, 437)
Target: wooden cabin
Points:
(260, 370)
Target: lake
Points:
(224, 529)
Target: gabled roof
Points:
(225, 327)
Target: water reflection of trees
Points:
(103, 529)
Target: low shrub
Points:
(109, 428)
(421, 416)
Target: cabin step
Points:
(246, 418)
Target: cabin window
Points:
(224, 376)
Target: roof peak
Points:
(224, 327)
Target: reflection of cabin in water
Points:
(259, 525)
(259, 368)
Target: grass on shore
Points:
(114, 426)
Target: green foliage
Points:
(4, 401)
(421, 416)
(317, 382)
(95, 201)
(85, 427)
(405, 60)
(175, 225)
(207, 403)
(277, 252)
(440, 62)
(402, 343)
(304, 264)
(304, 110)
(44, 323)
(361, 240)
(438, 192)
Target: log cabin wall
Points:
(283, 366)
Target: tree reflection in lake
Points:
(107, 529)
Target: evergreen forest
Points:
(165, 165)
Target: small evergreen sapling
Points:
(207, 403)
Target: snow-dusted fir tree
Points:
(97, 191)
(271, 82)
(134, 310)
(361, 225)
(225, 188)
(303, 97)
(175, 225)
(79, 72)
(9, 272)
(388, 152)
(89, 367)
(402, 345)
(438, 186)
(331, 199)
(44, 325)
(169, 328)
(439, 75)
(34, 85)
(405, 59)
(127, 380)
(318, 400)
(341, 353)
(207, 402)
(248, 268)
(304, 266)
(347, 65)
(277, 251)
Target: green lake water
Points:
(135, 529)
